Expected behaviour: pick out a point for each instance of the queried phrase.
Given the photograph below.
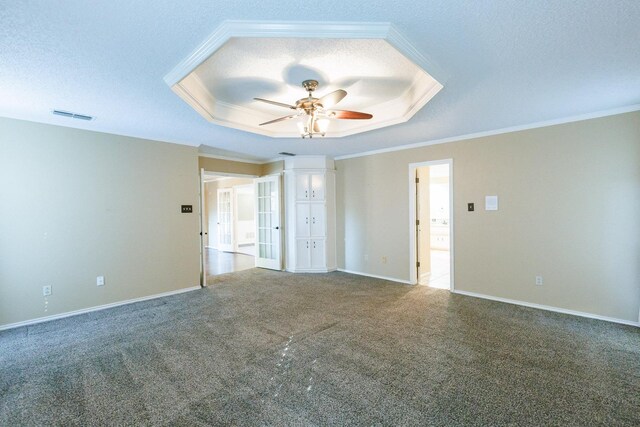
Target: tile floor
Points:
(440, 276)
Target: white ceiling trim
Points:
(184, 83)
(595, 115)
(301, 29)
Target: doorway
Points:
(228, 223)
(432, 223)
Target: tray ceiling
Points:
(378, 77)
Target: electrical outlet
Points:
(384, 259)
(538, 280)
(366, 257)
(46, 290)
(100, 281)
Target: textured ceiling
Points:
(507, 63)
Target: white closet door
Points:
(316, 219)
(225, 220)
(302, 187)
(317, 187)
(317, 254)
(303, 254)
(268, 230)
(303, 220)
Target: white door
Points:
(316, 219)
(317, 254)
(268, 230)
(303, 254)
(225, 220)
(317, 187)
(302, 187)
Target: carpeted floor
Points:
(266, 348)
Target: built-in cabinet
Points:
(310, 226)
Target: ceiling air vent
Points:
(72, 115)
(284, 153)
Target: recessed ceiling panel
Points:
(377, 77)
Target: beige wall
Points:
(76, 204)
(272, 168)
(228, 166)
(569, 198)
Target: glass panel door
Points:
(225, 220)
(268, 230)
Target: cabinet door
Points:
(303, 254)
(316, 219)
(317, 254)
(302, 187)
(303, 220)
(317, 186)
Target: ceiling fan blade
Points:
(331, 99)
(278, 120)
(349, 115)
(279, 104)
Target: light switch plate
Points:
(491, 203)
(100, 281)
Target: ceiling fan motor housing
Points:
(310, 85)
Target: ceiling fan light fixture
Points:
(302, 128)
(323, 125)
(312, 112)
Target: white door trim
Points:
(413, 271)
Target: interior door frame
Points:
(413, 270)
(203, 201)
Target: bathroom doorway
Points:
(432, 195)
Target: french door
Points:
(225, 220)
(268, 229)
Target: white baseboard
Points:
(548, 308)
(375, 276)
(319, 270)
(96, 308)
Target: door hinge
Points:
(417, 222)
(417, 180)
(418, 264)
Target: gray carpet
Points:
(268, 348)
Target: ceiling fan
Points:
(314, 113)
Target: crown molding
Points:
(535, 125)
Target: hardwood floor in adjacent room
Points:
(219, 262)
